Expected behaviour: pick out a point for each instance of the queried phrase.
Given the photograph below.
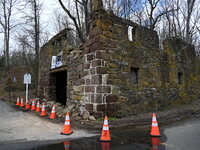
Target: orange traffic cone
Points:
(53, 112)
(105, 145)
(22, 102)
(33, 105)
(18, 101)
(43, 112)
(66, 145)
(38, 107)
(27, 104)
(67, 129)
(105, 135)
(155, 142)
(154, 128)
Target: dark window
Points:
(134, 75)
(180, 78)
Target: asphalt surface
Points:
(17, 125)
(22, 130)
(183, 135)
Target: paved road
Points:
(183, 136)
(19, 126)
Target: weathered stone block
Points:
(112, 65)
(84, 73)
(78, 88)
(95, 47)
(96, 98)
(96, 79)
(101, 70)
(109, 34)
(89, 88)
(86, 66)
(103, 89)
(79, 82)
(87, 81)
(102, 55)
(79, 67)
(110, 107)
(93, 71)
(90, 42)
(89, 107)
(101, 107)
(110, 81)
(96, 63)
(94, 32)
(90, 57)
(112, 98)
(76, 97)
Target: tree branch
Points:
(74, 20)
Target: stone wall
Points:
(180, 73)
(72, 62)
(111, 75)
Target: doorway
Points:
(60, 84)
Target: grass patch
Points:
(109, 119)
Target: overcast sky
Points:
(48, 12)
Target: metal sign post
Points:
(27, 80)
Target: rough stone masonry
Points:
(116, 75)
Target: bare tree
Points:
(31, 11)
(6, 12)
(80, 17)
(154, 13)
(61, 22)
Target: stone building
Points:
(120, 70)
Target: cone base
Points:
(66, 133)
(43, 115)
(105, 140)
(37, 110)
(52, 118)
(155, 135)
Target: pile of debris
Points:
(76, 109)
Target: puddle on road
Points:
(123, 140)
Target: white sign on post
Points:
(27, 80)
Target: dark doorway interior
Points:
(61, 83)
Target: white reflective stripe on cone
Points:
(67, 117)
(154, 119)
(67, 123)
(105, 122)
(154, 124)
(105, 128)
(53, 111)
